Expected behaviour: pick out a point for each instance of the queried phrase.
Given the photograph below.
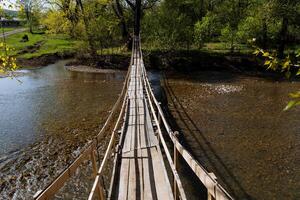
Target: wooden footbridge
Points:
(138, 143)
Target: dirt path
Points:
(6, 34)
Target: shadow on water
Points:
(218, 165)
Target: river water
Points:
(47, 116)
(235, 127)
(233, 124)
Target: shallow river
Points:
(235, 127)
(47, 116)
(233, 124)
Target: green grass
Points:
(221, 47)
(7, 29)
(50, 44)
(114, 51)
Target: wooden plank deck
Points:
(141, 169)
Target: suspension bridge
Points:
(138, 143)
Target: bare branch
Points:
(149, 4)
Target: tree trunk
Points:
(282, 37)
(137, 17)
(265, 35)
(202, 11)
(29, 18)
(89, 35)
(125, 33)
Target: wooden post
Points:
(176, 195)
(100, 192)
(209, 196)
(158, 115)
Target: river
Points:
(235, 127)
(233, 124)
(47, 116)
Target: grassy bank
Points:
(40, 44)
(7, 29)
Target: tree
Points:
(7, 61)
(137, 7)
(31, 11)
(206, 29)
(286, 11)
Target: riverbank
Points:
(88, 69)
(43, 60)
(44, 49)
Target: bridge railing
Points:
(96, 190)
(214, 189)
(88, 153)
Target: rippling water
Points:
(45, 120)
(236, 128)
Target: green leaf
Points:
(268, 62)
(298, 73)
(295, 95)
(290, 105)
(286, 64)
(266, 54)
(256, 52)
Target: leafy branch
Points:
(7, 61)
(290, 65)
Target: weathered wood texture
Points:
(139, 168)
(142, 174)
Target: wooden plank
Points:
(143, 136)
(132, 182)
(141, 173)
(150, 132)
(124, 177)
(162, 186)
(148, 192)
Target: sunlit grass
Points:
(7, 29)
(49, 44)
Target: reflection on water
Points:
(235, 127)
(46, 120)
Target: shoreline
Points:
(88, 69)
(157, 60)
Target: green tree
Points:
(7, 61)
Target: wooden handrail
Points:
(215, 190)
(113, 137)
(162, 140)
(108, 151)
(54, 186)
(213, 187)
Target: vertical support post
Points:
(209, 196)
(175, 155)
(158, 115)
(100, 192)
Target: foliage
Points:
(205, 29)
(287, 65)
(234, 22)
(31, 11)
(7, 61)
(56, 23)
(172, 24)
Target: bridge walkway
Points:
(139, 166)
(142, 173)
